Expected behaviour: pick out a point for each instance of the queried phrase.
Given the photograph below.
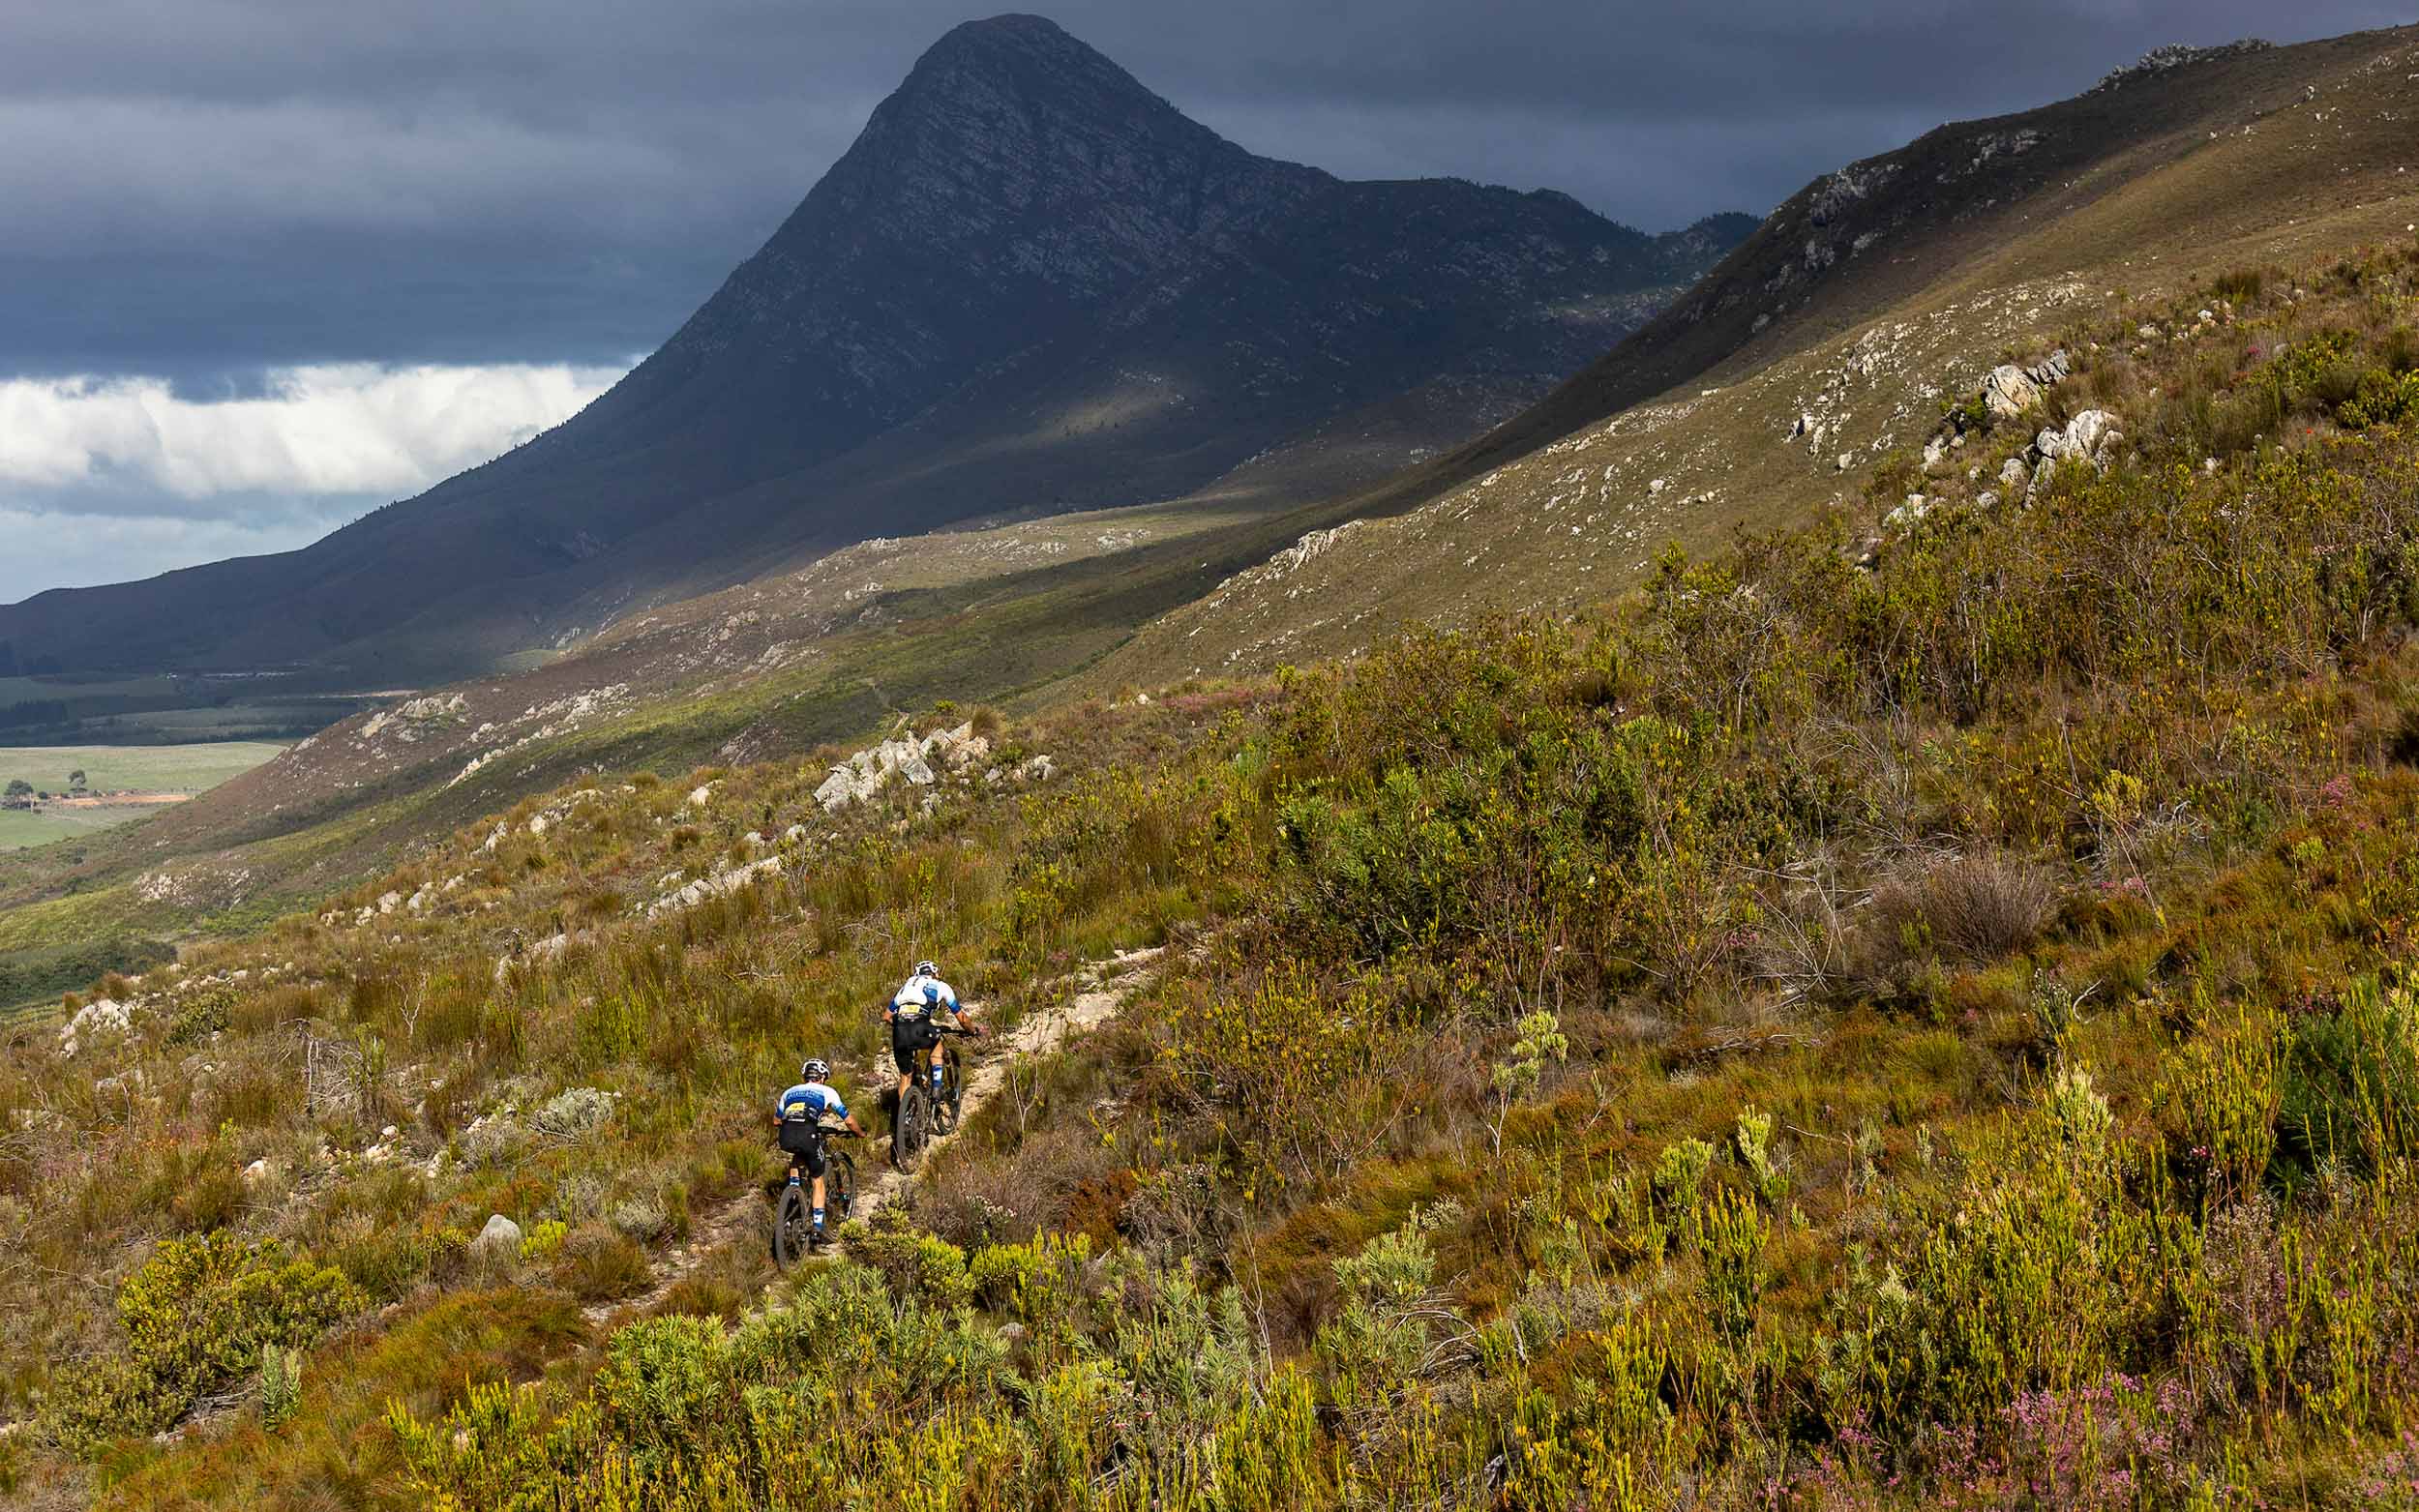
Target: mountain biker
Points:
(799, 1114)
(914, 1018)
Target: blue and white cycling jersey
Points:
(814, 1102)
(920, 995)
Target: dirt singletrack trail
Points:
(1101, 987)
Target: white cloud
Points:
(132, 446)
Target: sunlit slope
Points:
(1969, 251)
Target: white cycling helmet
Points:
(817, 1069)
(927, 969)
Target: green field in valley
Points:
(145, 769)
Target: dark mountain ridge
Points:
(1030, 284)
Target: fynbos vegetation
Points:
(1932, 1025)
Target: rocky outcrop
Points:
(2087, 441)
(718, 885)
(919, 763)
(102, 1018)
(2008, 391)
(2176, 55)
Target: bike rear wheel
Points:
(794, 1228)
(907, 1141)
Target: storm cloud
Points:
(207, 191)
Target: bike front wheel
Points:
(840, 1187)
(952, 1093)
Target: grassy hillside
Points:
(1917, 1024)
(1824, 350)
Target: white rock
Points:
(2009, 391)
(1914, 508)
(714, 886)
(698, 798)
(96, 1020)
(502, 1233)
(2087, 432)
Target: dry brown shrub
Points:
(1970, 908)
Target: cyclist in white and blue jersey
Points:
(799, 1113)
(914, 1014)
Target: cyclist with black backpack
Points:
(799, 1112)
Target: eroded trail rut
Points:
(1099, 991)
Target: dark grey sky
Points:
(199, 185)
(202, 191)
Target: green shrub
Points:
(2219, 1095)
(198, 1314)
(1752, 1139)
(1037, 1283)
(2076, 1110)
(913, 1263)
(1680, 1172)
(1728, 1234)
(280, 1385)
(2382, 399)
(2351, 1093)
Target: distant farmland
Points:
(146, 775)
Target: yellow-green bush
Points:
(196, 1314)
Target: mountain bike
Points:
(793, 1218)
(924, 1116)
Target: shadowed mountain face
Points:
(1030, 285)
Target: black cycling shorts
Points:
(910, 1038)
(804, 1142)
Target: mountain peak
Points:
(1015, 29)
(1031, 57)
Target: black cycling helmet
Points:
(816, 1069)
(927, 969)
